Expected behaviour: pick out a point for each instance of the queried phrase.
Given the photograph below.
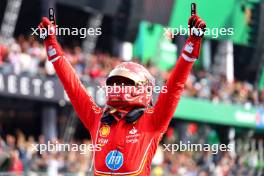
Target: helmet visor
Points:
(120, 81)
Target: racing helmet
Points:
(129, 84)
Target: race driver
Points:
(128, 129)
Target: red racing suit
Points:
(128, 149)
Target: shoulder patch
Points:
(150, 110)
(96, 109)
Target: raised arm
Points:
(167, 102)
(82, 102)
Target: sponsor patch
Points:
(114, 160)
(104, 131)
(189, 47)
(51, 51)
(102, 141)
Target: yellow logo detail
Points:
(104, 131)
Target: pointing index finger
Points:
(193, 9)
(52, 15)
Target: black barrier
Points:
(42, 88)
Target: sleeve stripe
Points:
(187, 58)
(55, 59)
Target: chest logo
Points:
(104, 131)
(114, 160)
(133, 131)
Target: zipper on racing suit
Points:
(119, 146)
(117, 150)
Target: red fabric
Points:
(137, 142)
(52, 47)
(3, 52)
(138, 149)
(95, 73)
(170, 132)
(192, 47)
(193, 43)
(192, 128)
(16, 166)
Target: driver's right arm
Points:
(81, 100)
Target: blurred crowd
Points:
(206, 164)
(18, 155)
(243, 159)
(204, 85)
(27, 56)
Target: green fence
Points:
(219, 113)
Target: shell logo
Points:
(104, 131)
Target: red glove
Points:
(196, 25)
(47, 32)
(192, 47)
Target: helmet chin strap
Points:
(112, 115)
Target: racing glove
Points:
(48, 33)
(192, 46)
